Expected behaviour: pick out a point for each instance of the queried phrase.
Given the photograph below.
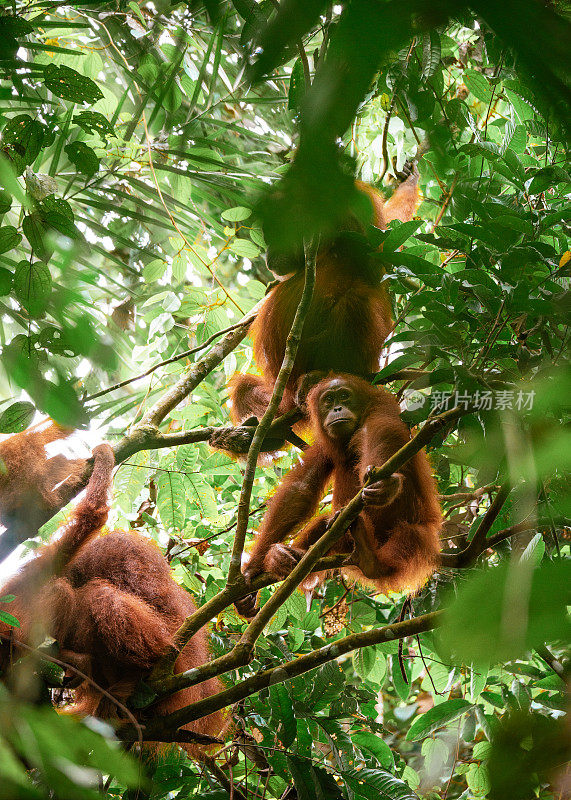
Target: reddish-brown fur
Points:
(111, 604)
(349, 317)
(33, 486)
(393, 545)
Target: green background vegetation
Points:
(143, 147)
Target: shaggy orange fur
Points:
(112, 605)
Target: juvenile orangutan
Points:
(394, 543)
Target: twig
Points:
(222, 778)
(551, 661)
(445, 204)
(479, 542)
(184, 354)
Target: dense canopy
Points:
(149, 152)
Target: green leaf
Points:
(478, 680)
(9, 238)
(375, 746)
(492, 621)
(364, 660)
(6, 278)
(327, 682)
(56, 205)
(437, 717)
(376, 784)
(478, 779)
(296, 86)
(236, 214)
(325, 786)
(282, 713)
(16, 417)
(431, 52)
(94, 122)
(402, 687)
(171, 499)
(37, 235)
(379, 668)
(399, 233)
(302, 775)
(22, 139)
(83, 157)
(68, 84)
(201, 493)
(244, 248)
(9, 619)
(32, 286)
(154, 270)
(546, 177)
(5, 201)
(478, 85)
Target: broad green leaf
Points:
(327, 683)
(244, 248)
(431, 51)
(236, 214)
(398, 234)
(301, 772)
(9, 619)
(9, 238)
(437, 717)
(171, 499)
(325, 786)
(376, 746)
(154, 270)
(94, 122)
(17, 417)
(83, 157)
(32, 286)
(478, 85)
(69, 84)
(37, 234)
(372, 784)
(379, 668)
(364, 660)
(282, 713)
(23, 138)
(478, 779)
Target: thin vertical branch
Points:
(292, 345)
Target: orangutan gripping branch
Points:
(111, 604)
(394, 543)
(349, 317)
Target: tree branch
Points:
(284, 672)
(144, 435)
(479, 541)
(292, 344)
(165, 362)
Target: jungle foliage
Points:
(146, 157)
